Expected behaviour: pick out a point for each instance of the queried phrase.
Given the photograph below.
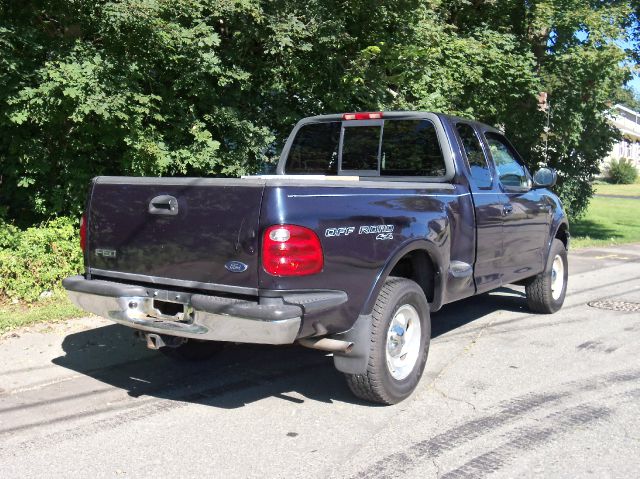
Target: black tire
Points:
(540, 294)
(378, 384)
(193, 350)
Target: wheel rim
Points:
(403, 342)
(557, 277)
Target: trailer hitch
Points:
(157, 341)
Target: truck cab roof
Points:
(395, 115)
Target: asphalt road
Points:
(505, 394)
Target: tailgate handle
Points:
(163, 205)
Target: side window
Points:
(411, 148)
(510, 171)
(315, 149)
(475, 156)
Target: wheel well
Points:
(563, 235)
(417, 266)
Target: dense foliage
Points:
(628, 97)
(34, 261)
(622, 172)
(211, 87)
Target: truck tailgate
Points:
(186, 232)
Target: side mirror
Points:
(545, 178)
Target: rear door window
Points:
(478, 166)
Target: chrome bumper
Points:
(133, 306)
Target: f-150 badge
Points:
(382, 232)
(105, 253)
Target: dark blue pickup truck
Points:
(372, 221)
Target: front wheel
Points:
(399, 344)
(546, 292)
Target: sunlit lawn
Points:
(622, 190)
(608, 221)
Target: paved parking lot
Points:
(506, 393)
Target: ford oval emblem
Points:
(236, 266)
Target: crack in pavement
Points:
(396, 464)
(499, 330)
(452, 398)
(529, 438)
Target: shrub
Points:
(622, 172)
(35, 260)
(9, 235)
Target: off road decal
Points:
(382, 232)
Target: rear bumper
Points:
(268, 320)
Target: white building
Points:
(627, 122)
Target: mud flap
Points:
(355, 362)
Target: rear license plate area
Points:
(168, 310)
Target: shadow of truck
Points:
(241, 373)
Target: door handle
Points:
(163, 205)
(507, 209)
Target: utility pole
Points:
(545, 105)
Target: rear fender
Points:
(415, 245)
(355, 362)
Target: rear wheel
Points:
(193, 350)
(546, 292)
(399, 344)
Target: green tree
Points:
(627, 96)
(578, 63)
(211, 87)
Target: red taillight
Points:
(290, 250)
(362, 116)
(83, 233)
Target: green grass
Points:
(56, 309)
(608, 221)
(602, 188)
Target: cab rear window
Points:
(315, 149)
(411, 148)
(398, 148)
